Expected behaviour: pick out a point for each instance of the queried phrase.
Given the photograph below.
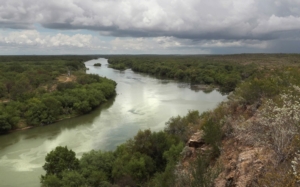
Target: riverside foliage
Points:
(146, 160)
(194, 69)
(263, 112)
(32, 94)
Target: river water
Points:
(142, 102)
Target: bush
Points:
(96, 166)
(203, 175)
(181, 126)
(65, 85)
(97, 64)
(213, 136)
(59, 160)
(279, 122)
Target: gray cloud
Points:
(15, 25)
(193, 19)
(191, 26)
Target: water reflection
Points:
(142, 102)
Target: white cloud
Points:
(278, 24)
(146, 45)
(217, 19)
(31, 41)
(33, 38)
(152, 24)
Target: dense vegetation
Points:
(194, 69)
(147, 159)
(39, 90)
(97, 64)
(261, 115)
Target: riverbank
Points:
(204, 88)
(45, 94)
(21, 129)
(25, 127)
(143, 102)
(252, 139)
(195, 69)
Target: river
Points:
(142, 102)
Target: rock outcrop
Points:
(241, 165)
(196, 140)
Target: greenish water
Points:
(142, 102)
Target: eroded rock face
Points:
(243, 165)
(187, 152)
(196, 140)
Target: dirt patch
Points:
(66, 78)
(21, 129)
(62, 79)
(4, 101)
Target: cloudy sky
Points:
(149, 26)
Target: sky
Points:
(34, 27)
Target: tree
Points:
(54, 108)
(4, 124)
(51, 181)
(21, 89)
(72, 179)
(34, 111)
(59, 160)
(96, 167)
(2, 90)
(153, 145)
(136, 166)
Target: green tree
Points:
(51, 181)
(4, 123)
(82, 107)
(2, 89)
(43, 111)
(59, 160)
(21, 89)
(53, 109)
(213, 136)
(72, 179)
(96, 166)
(153, 145)
(138, 166)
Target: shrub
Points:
(97, 64)
(277, 176)
(202, 173)
(275, 126)
(213, 136)
(181, 126)
(279, 121)
(65, 85)
(253, 90)
(59, 160)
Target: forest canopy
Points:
(39, 90)
(145, 160)
(194, 69)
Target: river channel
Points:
(142, 102)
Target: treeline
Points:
(32, 94)
(148, 159)
(263, 113)
(194, 69)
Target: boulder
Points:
(196, 140)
